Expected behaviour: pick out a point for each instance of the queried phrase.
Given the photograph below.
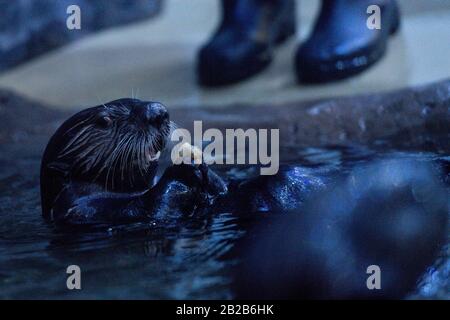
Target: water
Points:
(189, 260)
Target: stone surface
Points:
(31, 27)
(408, 118)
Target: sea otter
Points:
(99, 167)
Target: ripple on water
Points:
(143, 260)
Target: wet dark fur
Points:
(99, 166)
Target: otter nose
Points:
(153, 113)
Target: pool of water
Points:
(189, 260)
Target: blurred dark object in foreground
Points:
(31, 27)
(392, 214)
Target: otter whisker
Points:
(85, 164)
(78, 124)
(127, 159)
(142, 159)
(93, 143)
(110, 161)
(131, 151)
(134, 155)
(122, 157)
(79, 141)
(116, 157)
(75, 139)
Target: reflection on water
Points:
(190, 259)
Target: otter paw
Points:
(190, 175)
(76, 215)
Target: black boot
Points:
(243, 44)
(341, 43)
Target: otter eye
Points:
(104, 121)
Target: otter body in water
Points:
(100, 164)
(99, 167)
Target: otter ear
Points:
(104, 121)
(58, 166)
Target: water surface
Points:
(190, 259)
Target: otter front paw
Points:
(188, 174)
(197, 177)
(102, 209)
(78, 214)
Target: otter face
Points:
(116, 145)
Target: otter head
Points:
(115, 145)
